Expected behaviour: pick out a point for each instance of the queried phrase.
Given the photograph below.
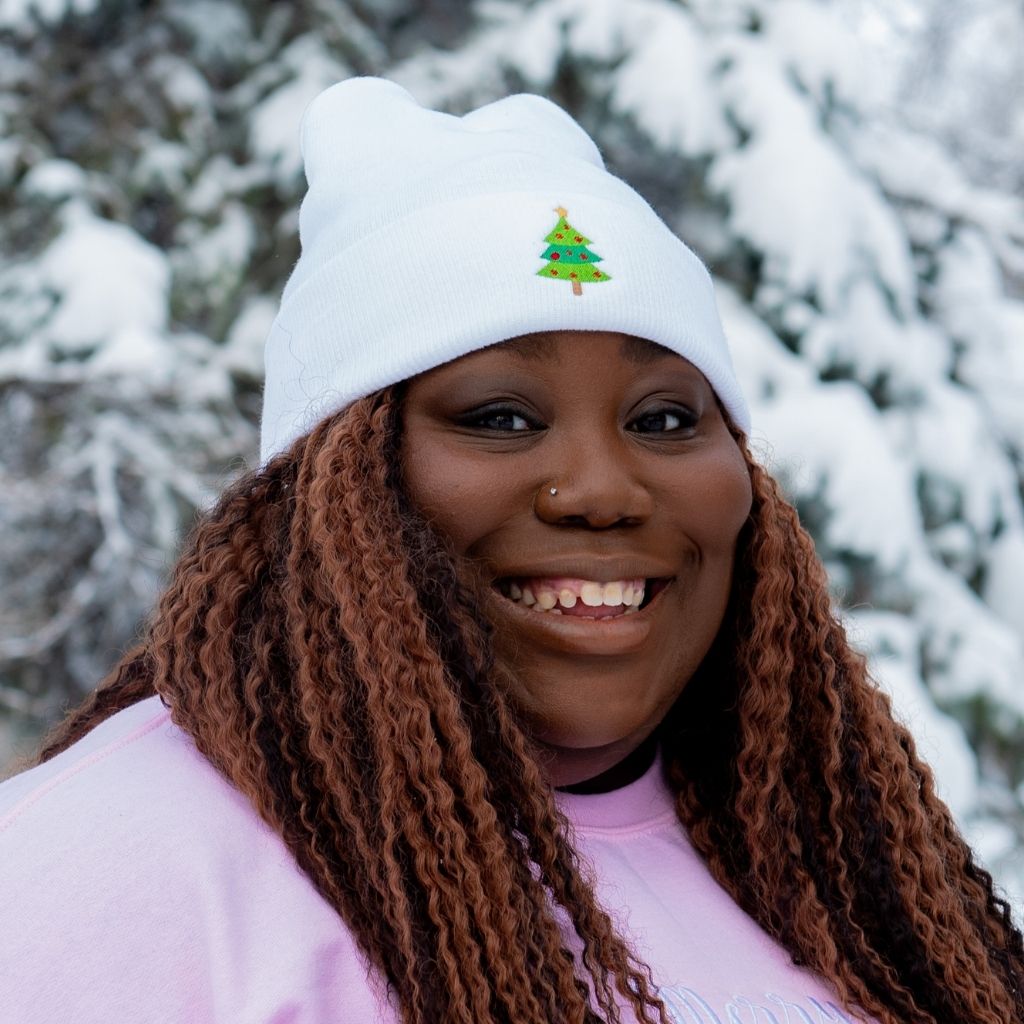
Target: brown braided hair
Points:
(325, 651)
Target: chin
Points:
(600, 725)
(601, 705)
(567, 764)
(584, 736)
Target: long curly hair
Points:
(326, 653)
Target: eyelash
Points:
(685, 417)
(480, 418)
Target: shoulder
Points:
(135, 775)
(127, 860)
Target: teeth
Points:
(628, 593)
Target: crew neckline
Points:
(644, 802)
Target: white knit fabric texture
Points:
(422, 235)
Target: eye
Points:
(664, 421)
(501, 419)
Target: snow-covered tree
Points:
(870, 288)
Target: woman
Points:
(508, 689)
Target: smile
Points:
(580, 598)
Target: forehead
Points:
(532, 347)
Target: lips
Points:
(584, 630)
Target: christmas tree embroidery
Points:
(568, 257)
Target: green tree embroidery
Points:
(568, 257)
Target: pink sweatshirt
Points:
(137, 885)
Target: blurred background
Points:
(851, 172)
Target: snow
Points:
(813, 41)
(892, 643)
(106, 278)
(221, 178)
(599, 30)
(220, 30)
(663, 64)
(998, 848)
(912, 166)
(830, 446)
(243, 352)
(137, 355)
(765, 367)
(864, 339)
(1003, 590)
(724, 15)
(54, 179)
(666, 86)
(164, 164)
(947, 435)
(221, 251)
(534, 43)
(969, 276)
(971, 654)
(183, 86)
(970, 300)
(274, 124)
(20, 14)
(794, 196)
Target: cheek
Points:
(714, 502)
(736, 500)
(457, 493)
(440, 497)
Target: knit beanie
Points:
(426, 236)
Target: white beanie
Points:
(427, 236)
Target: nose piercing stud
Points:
(553, 491)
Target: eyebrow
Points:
(528, 346)
(635, 350)
(642, 352)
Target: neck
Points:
(628, 770)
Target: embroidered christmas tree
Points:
(568, 258)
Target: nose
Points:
(596, 485)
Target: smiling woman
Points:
(507, 690)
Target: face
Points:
(591, 480)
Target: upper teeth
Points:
(543, 595)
